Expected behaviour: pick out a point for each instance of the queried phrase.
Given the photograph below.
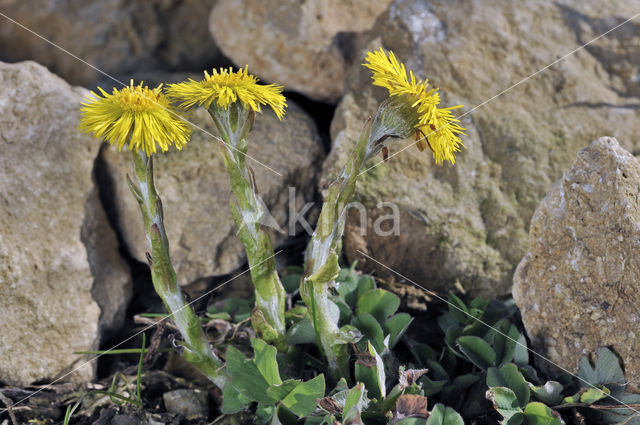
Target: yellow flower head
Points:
(137, 115)
(436, 125)
(226, 87)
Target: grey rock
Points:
(46, 308)
(115, 36)
(306, 46)
(577, 286)
(195, 190)
(468, 224)
(62, 281)
(187, 402)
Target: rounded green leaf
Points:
(371, 330)
(477, 350)
(458, 309)
(302, 399)
(442, 415)
(539, 414)
(549, 393)
(302, 332)
(509, 376)
(506, 403)
(379, 303)
(396, 326)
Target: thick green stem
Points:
(196, 346)
(322, 262)
(395, 119)
(247, 209)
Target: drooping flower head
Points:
(137, 116)
(437, 125)
(226, 87)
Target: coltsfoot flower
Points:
(135, 115)
(437, 125)
(225, 87)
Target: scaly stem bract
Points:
(248, 210)
(196, 346)
(394, 119)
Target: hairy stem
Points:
(248, 211)
(322, 260)
(394, 119)
(196, 346)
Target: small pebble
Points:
(186, 402)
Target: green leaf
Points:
(246, 377)
(379, 303)
(396, 326)
(356, 401)
(412, 421)
(302, 332)
(437, 372)
(477, 350)
(510, 377)
(537, 413)
(264, 412)
(365, 283)
(265, 360)
(302, 400)
(478, 303)
(232, 400)
(623, 414)
(441, 415)
(223, 315)
(348, 286)
(521, 353)
(371, 330)
(458, 385)
(458, 309)
(348, 334)
(283, 416)
(606, 370)
(450, 337)
(506, 403)
(431, 387)
(550, 393)
(291, 282)
(504, 342)
(278, 392)
(422, 353)
(369, 369)
(588, 395)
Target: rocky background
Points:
(522, 200)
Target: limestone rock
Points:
(113, 287)
(307, 46)
(46, 191)
(116, 36)
(195, 190)
(469, 223)
(577, 286)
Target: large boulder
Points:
(578, 286)
(286, 157)
(305, 45)
(115, 36)
(469, 223)
(50, 217)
